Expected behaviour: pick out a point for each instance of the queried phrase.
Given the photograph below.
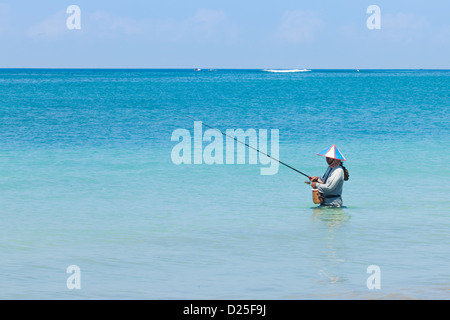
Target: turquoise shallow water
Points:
(86, 179)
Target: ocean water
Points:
(87, 179)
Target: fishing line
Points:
(245, 144)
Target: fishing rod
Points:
(245, 144)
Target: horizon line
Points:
(205, 68)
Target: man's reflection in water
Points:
(330, 256)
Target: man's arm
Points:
(331, 184)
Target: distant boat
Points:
(197, 69)
(287, 70)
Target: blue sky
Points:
(225, 34)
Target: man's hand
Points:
(314, 179)
(313, 185)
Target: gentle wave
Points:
(287, 70)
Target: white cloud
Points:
(52, 27)
(203, 25)
(103, 23)
(404, 27)
(211, 23)
(299, 26)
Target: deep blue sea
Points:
(87, 179)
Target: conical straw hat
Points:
(332, 152)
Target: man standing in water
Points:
(331, 184)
